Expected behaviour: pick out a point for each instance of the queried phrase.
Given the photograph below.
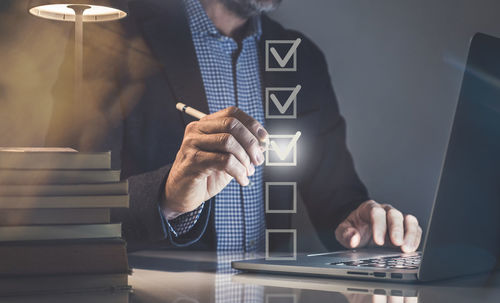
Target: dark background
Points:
(396, 67)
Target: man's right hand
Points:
(216, 149)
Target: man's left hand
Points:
(379, 224)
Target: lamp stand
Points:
(78, 9)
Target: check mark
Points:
(283, 153)
(283, 108)
(283, 61)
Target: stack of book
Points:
(55, 229)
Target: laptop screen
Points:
(464, 231)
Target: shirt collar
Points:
(200, 23)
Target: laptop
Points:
(463, 235)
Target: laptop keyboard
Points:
(396, 262)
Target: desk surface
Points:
(183, 277)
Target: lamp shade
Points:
(96, 10)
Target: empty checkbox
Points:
(281, 244)
(281, 197)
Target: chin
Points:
(249, 8)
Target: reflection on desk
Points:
(182, 277)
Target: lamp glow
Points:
(79, 12)
(63, 12)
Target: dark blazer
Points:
(136, 71)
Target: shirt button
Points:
(252, 242)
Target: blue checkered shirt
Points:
(231, 77)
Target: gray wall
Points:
(396, 66)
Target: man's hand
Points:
(216, 149)
(379, 224)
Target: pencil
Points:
(190, 111)
(198, 115)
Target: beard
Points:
(250, 8)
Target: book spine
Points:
(23, 177)
(59, 232)
(41, 216)
(51, 284)
(74, 258)
(119, 188)
(57, 160)
(64, 202)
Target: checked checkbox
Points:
(284, 62)
(282, 150)
(276, 109)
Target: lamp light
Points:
(78, 11)
(67, 10)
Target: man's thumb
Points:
(348, 236)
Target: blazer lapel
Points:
(165, 28)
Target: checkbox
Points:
(279, 246)
(282, 150)
(281, 197)
(281, 55)
(281, 298)
(281, 102)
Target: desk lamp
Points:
(78, 11)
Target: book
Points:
(9, 202)
(63, 257)
(108, 296)
(21, 176)
(52, 158)
(62, 284)
(59, 232)
(118, 188)
(46, 216)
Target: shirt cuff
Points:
(183, 223)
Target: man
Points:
(199, 184)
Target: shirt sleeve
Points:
(185, 222)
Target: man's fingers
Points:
(224, 143)
(241, 133)
(253, 125)
(379, 224)
(374, 214)
(394, 225)
(207, 162)
(347, 235)
(354, 238)
(376, 220)
(413, 234)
